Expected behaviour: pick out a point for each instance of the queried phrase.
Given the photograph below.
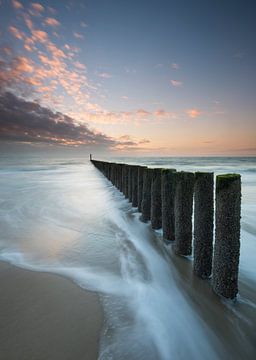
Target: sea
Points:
(61, 215)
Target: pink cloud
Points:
(16, 33)
(142, 113)
(17, 5)
(40, 36)
(193, 113)
(51, 10)
(37, 7)
(51, 22)
(29, 23)
(176, 83)
(79, 65)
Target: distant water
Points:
(63, 216)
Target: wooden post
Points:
(146, 195)
(168, 197)
(203, 224)
(156, 201)
(227, 235)
(183, 212)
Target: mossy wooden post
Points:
(135, 186)
(227, 235)
(183, 212)
(168, 197)
(146, 195)
(156, 201)
(140, 185)
(203, 224)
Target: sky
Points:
(137, 78)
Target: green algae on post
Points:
(227, 235)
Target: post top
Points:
(225, 180)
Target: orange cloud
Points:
(142, 113)
(40, 36)
(79, 65)
(51, 22)
(17, 5)
(24, 64)
(176, 83)
(193, 113)
(16, 33)
(37, 7)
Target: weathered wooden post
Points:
(227, 235)
(168, 197)
(119, 177)
(146, 195)
(156, 201)
(183, 212)
(203, 224)
(135, 186)
(130, 173)
(126, 180)
(140, 185)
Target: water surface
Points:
(63, 216)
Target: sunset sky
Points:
(129, 77)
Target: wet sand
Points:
(45, 317)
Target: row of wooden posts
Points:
(166, 196)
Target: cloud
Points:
(16, 33)
(124, 97)
(78, 35)
(161, 114)
(37, 7)
(142, 113)
(51, 63)
(79, 65)
(83, 24)
(104, 75)
(28, 122)
(193, 113)
(175, 66)
(25, 121)
(51, 22)
(17, 5)
(176, 83)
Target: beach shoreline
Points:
(46, 316)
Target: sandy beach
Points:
(44, 316)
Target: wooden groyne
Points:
(172, 200)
